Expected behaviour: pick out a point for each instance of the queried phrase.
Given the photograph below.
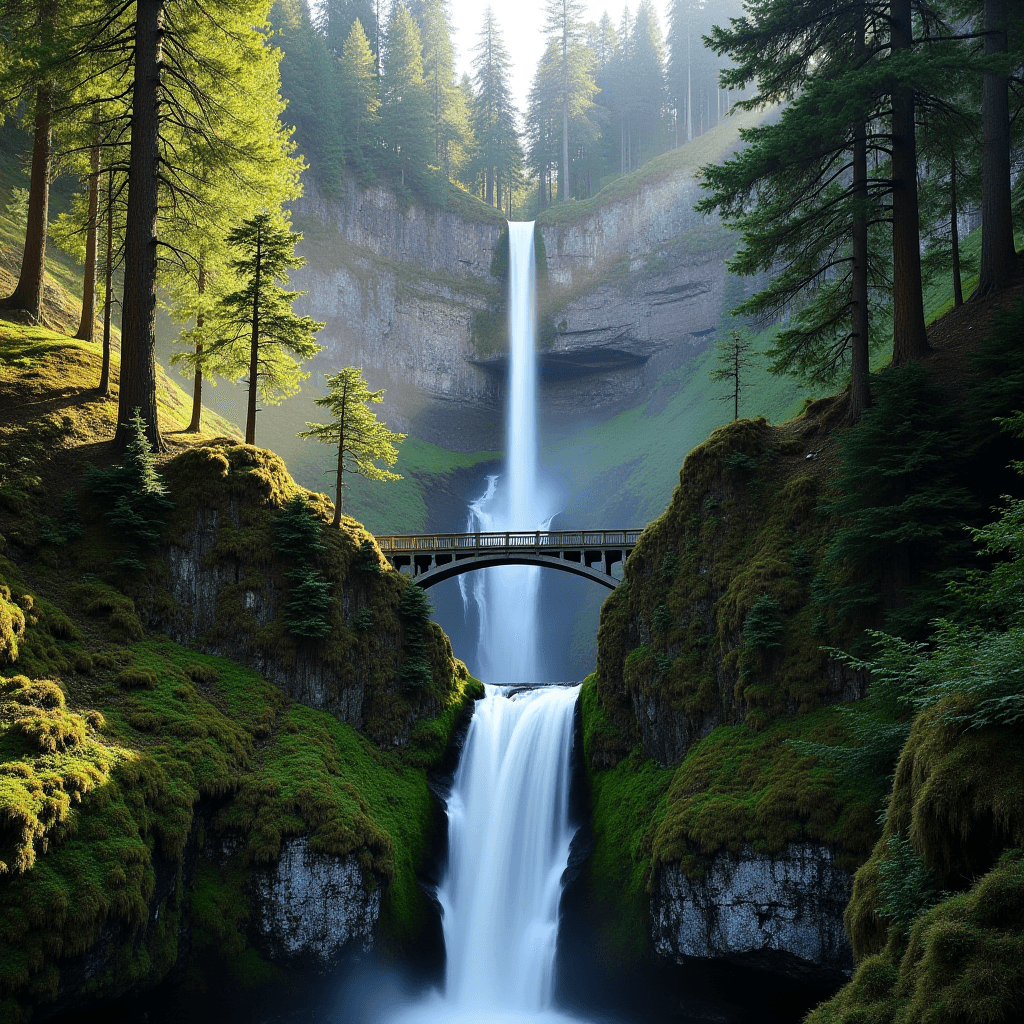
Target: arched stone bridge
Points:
(432, 558)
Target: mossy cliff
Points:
(689, 716)
(224, 589)
(156, 801)
(951, 845)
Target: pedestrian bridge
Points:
(432, 558)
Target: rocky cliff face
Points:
(631, 285)
(405, 293)
(631, 288)
(311, 906)
(780, 912)
(226, 591)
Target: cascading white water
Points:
(508, 812)
(506, 598)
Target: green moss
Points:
(964, 962)
(627, 803)
(740, 787)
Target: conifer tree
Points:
(361, 90)
(448, 114)
(494, 124)
(361, 440)
(309, 598)
(564, 24)
(734, 358)
(999, 264)
(405, 106)
(256, 332)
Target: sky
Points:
(522, 25)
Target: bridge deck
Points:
(434, 557)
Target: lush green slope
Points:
(124, 755)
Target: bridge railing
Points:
(511, 540)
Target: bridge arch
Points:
(433, 558)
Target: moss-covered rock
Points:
(228, 587)
(674, 657)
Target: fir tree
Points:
(360, 439)
(132, 498)
(414, 611)
(309, 598)
(734, 357)
(405, 105)
(257, 332)
(900, 508)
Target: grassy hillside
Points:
(123, 755)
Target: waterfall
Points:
(508, 811)
(509, 835)
(506, 598)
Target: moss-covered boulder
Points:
(937, 913)
(227, 586)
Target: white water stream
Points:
(506, 599)
(508, 812)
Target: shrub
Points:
(136, 679)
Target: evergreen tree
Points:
(309, 598)
(405, 106)
(999, 263)
(802, 193)
(361, 440)
(734, 357)
(564, 24)
(448, 114)
(361, 91)
(646, 95)
(132, 498)
(256, 331)
(414, 611)
(494, 115)
(900, 507)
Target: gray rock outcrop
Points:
(311, 906)
(782, 912)
(630, 287)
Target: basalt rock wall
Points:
(630, 285)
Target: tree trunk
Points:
(28, 295)
(338, 493)
(254, 346)
(196, 423)
(138, 311)
(87, 327)
(564, 171)
(998, 259)
(860, 360)
(108, 270)
(489, 194)
(954, 236)
(910, 335)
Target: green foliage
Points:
(762, 628)
(414, 610)
(254, 328)
(905, 883)
(132, 498)
(360, 439)
(628, 804)
(900, 506)
(308, 604)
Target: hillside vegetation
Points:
(718, 717)
(146, 781)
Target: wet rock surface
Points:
(312, 906)
(780, 912)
